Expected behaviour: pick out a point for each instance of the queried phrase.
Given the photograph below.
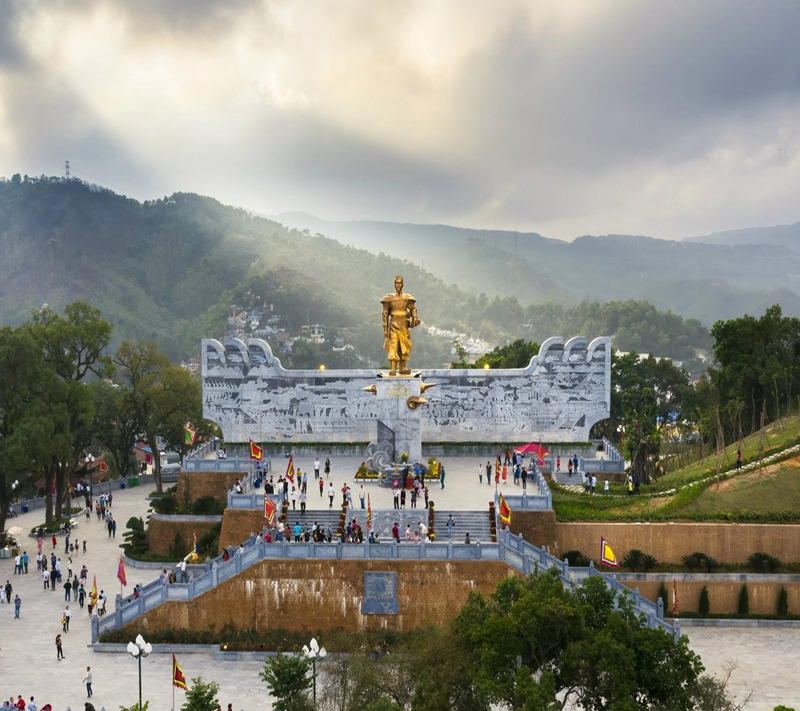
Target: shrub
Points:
(207, 506)
(135, 537)
(166, 505)
(648, 562)
(576, 558)
(663, 595)
(763, 562)
(705, 605)
(177, 548)
(633, 559)
(697, 560)
(208, 543)
(744, 601)
(783, 602)
(692, 561)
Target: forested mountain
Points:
(170, 269)
(697, 280)
(787, 236)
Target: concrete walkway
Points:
(28, 664)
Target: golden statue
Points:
(399, 315)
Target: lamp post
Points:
(89, 461)
(137, 650)
(314, 652)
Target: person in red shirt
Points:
(20, 701)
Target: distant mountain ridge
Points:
(704, 278)
(170, 270)
(780, 235)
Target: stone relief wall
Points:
(558, 397)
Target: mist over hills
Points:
(717, 277)
(171, 270)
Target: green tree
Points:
(114, 427)
(515, 355)
(201, 696)
(289, 681)
(72, 346)
(704, 606)
(157, 396)
(535, 644)
(757, 362)
(647, 394)
(743, 606)
(25, 418)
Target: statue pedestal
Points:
(399, 416)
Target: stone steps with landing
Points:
(476, 523)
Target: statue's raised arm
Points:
(399, 315)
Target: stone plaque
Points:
(380, 594)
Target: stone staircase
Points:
(563, 478)
(474, 522)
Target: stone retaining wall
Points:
(193, 485)
(161, 531)
(317, 596)
(669, 542)
(723, 595)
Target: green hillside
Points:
(170, 270)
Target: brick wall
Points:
(723, 595)
(317, 596)
(238, 524)
(537, 527)
(194, 485)
(669, 542)
(161, 531)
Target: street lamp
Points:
(89, 461)
(313, 652)
(137, 650)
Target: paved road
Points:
(767, 658)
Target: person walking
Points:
(17, 606)
(59, 648)
(65, 619)
(88, 681)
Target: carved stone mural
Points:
(558, 397)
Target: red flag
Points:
(178, 679)
(369, 513)
(256, 452)
(505, 511)
(607, 555)
(121, 572)
(674, 598)
(270, 508)
(290, 469)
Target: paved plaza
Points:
(28, 664)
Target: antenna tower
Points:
(66, 169)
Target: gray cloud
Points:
(562, 118)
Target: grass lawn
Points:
(692, 493)
(775, 488)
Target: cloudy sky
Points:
(567, 117)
